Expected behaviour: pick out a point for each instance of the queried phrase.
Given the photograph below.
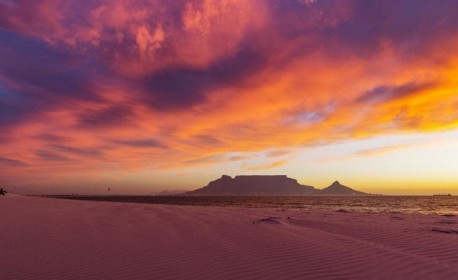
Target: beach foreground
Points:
(42, 238)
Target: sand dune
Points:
(44, 238)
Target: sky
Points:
(145, 96)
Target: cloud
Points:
(267, 166)
(208, 159)
(384, 93)
(114, 115)
(140, 143)
(181, 88)
(207, 83)
(219, 158)
(137, 37)
(51, 156)
(86, 152)
(410, 27)
(50, 138)
(206, 140)
(30, 17)
(277, 153)
(382, 150)
(8, 162)
(35, 78)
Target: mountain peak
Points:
(226, 177)
(337, 188)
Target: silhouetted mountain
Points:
(279, 185)
(255, 185)
(338, 189)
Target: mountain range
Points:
(275, 185)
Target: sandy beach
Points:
(43, 238)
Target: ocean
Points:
(440, 205)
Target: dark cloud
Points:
(45, 70)
(50, 138)
(359, 27)
(384, 93)
(51, 156)
(411, 26)
(91, 152)
(36, 77)
(15, 107)
(140, 143)
(30, 17)
(12, 162)
(176, 88)
(111, 116)
(181, 88)
(294, 19)
(206, 140)
(415, 20)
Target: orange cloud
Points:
(155, 85)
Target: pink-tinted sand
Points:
(43, 238)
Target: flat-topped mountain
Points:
(279, 185)
(254, 185)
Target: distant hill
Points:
(279, 185)
(338, 189)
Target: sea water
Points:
(441, 205)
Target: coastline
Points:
(361, 203)
(44, 238)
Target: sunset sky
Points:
(145, 96)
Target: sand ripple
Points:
(62, 239)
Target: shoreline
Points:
(360, 204)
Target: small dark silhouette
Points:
(3, 191)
